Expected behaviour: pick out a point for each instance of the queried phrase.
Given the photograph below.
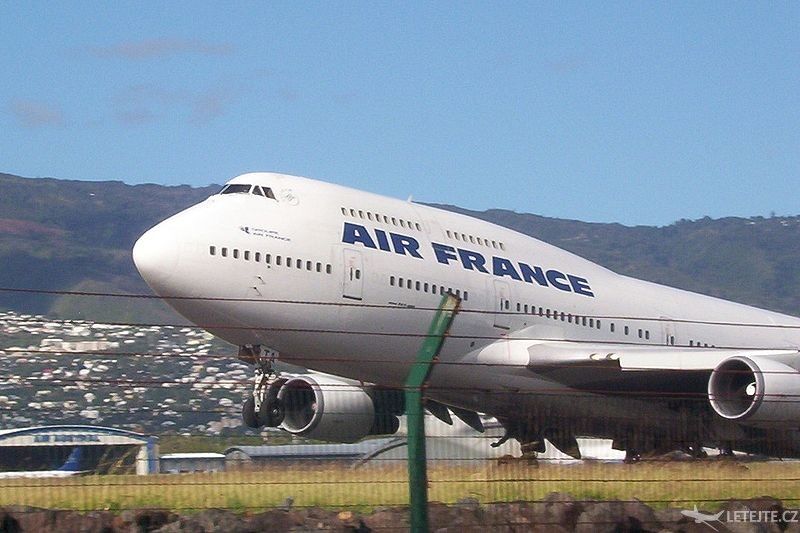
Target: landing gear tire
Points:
(271, 413)
(249, 416)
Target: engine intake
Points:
(322, 407)
(756, 391)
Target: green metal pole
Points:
(420, 370)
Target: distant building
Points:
(178, 463)
(104, 450)
(259, 456)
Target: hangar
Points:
(101, 450)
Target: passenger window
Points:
(598, 324)
(278, 260)
(425, 287)
(289, 262)
(466, 296)
(402, 223)
(433, 289)
(358, 274)
(299, 263)
(400, 282)
(583, 320)
(647, 335)
(369, 215)
(408, 284)
(353, 213)
(224, 252)
(236, 253)
(449, 235)
(640, 333)
(319, 267)
(472, 239)
(267, 258)
(494, 244)
(247, 255)
(418, 285)
(212, 250)
(391, 281)
(344, 211)
(627, 330)
(360, 213)
(328, 269)
(258, 257)
(519, 307)
(418, 226)
(612, 327)
(308, 266)
(502, 246)
(394, 221)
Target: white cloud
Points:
(36, 114)
(160, 48)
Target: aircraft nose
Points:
(155, 255)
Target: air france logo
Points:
(468, 259)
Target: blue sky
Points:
(639, 112)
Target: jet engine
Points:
(756, 391)
(323, 407)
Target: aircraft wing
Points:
(624, 368)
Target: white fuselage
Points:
(347, 282)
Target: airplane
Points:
(346, 282)
(71, 467)
(703, 518)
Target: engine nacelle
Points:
(323, 407)
(756, 391)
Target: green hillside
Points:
(77, 235)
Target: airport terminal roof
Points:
(70, 435)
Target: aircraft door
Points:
(353, 284)
(668, 331)
(502, 305)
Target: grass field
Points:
(661, 484)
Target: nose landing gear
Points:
(262, 407)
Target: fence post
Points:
(420, 370)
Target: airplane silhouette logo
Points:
(703, 518)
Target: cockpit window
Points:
(236, 188)
(263, 191)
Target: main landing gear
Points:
(262, 408)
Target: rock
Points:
(388, 519)
(8, 524)
(468, 503)
(142, 520)
(209, 520)
(558, 509)
(617, 517)
(274, 520)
